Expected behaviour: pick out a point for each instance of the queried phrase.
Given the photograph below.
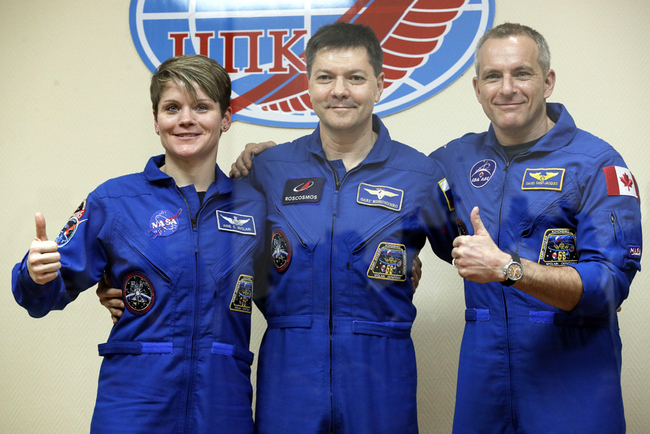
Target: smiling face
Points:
(512, 88)
(189, 129)
(343, 89)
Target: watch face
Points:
(514, 271)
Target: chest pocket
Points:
(133, 253)
(549, 217)
(382, 222)
(379, 258)
(236, 282)
(289, 298)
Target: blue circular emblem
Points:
(163, 223)
(71, 226)
(67, 232)
(482, 172)
(138, 293)
(427, 45)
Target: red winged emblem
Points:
(409, 32)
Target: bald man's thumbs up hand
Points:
(476, 256)
(43, 261)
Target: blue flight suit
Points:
(178, 359)
(337, 355)
(525, 366)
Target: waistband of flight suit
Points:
(390, 329)
(140, 348)
(547, 317)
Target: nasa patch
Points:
(543, 179)
(280, 251)
(634, 252)
(559, 247)
(71, 225)
(389, 262)
(482, 172)
(163, 223)
(138, 293)
(380, 195)
(302, 190)
(239, 223)
(426, 44)
(242, 297)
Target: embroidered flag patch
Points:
(620, 182)
(446, 190)
(379, 195)
(543, 179)
(302, 190)
(242, 297)
(240, 223)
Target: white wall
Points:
(75, 111)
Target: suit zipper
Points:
(505, 303)
(196, 322)
(337, 188)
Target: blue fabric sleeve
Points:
(83, 260)
(608, 227)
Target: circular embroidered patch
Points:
(67, 232)
(138, 293)
(281, 254)
(163, 223)
(71, 226)
(482, 172)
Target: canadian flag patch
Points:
(620, 182)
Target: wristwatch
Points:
(513, 271)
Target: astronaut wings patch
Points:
(380, 195)
(239, 223)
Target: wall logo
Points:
(427, 45)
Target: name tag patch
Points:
(240, 223)
(380, 195)
(559, 247)
(389, 262)
(242, 297)
(543, 179)
(302, 190)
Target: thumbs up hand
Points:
(476, 256)
(43, 260)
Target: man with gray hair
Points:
(551, 256)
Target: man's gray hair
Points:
(507, 30)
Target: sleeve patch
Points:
(446, 190)
(620, 182)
